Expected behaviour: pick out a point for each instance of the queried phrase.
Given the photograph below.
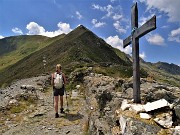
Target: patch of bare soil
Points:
(39, 118)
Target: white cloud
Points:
(145, 19)
(97, 24)
(113, 0)
(79, 16)
(116, 42)
(142, 55)
(175, 32)
(118, 27)
(17, 31)
(64, 27)
(155, 39)
(109, 9)
(98, 7)
(114, 13)
(175, 35)
(165, 26)
(169, 7)
(36, 29)
(1, 37)
(117, 16)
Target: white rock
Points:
(122, 122)
(13, 101)
(171, 106)
(155, 105)
(23, 86)
(137, 108)
(30, 87)
(176, 130)
(92, 74)
(74, 94)
(78, 86)
(124, 105)
(119, 94)
(107, 109)
(165, 121)
(145, 116)
(43, 127)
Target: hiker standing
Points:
(58, 83)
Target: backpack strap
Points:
(54, 75)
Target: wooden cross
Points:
(134, 39)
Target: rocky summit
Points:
(97, 104)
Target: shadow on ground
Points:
(73, 117)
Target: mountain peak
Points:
(82, 27)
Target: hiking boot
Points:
(62, 110)
(56, 115)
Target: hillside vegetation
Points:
(163, 72)
(22, 57)
(13, 49)
(79, 48)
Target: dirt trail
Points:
(39, 119)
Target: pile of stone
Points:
(159, 112)
(24, 88)
(113, 110)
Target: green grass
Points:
(76, 47)
(24, 46)
(161, 75)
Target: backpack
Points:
(58, 80)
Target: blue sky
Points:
(109, 19)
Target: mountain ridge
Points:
(81, 47)
(15, 48)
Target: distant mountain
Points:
(80, 46)
(163, 72)
(15, 48)
(169, 68)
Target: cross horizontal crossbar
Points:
(145, 28)
(141, 31)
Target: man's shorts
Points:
(58, 92)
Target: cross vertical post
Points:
(135, 52)
(133, 39)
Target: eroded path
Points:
(39, 119)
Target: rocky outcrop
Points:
(25, 89)
(110, 101)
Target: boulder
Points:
(125, 105)
(156, 105)
(176, 130)
(145, 116)
(137, 108)
(130, 126)
(164, 120)
(177, 111)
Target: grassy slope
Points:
(73, 48)
(16, 48)
(161, 75)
